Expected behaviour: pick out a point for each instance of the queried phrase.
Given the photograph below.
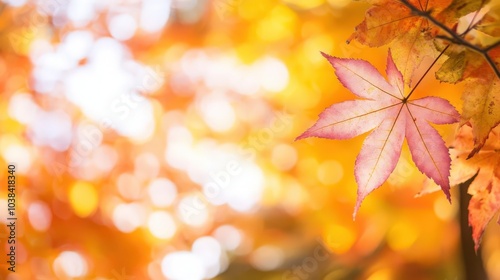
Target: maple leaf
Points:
(485, 188)
(386, 109)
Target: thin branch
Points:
(458, 39)
(446, 38)
(494, 45)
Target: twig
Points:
(443, 37)
(490, 47)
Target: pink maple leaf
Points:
(386, 109)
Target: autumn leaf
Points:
(409, 35)
(481, 108)
(460, 8)
(461, 65)
(483, 205)
(464, 63)
(490, 23)
(386, 109)
(485, 188)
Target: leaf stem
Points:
(426, 72)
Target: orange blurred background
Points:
(155, 140)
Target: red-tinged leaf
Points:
(393, 117)
(483, 205)
(379, 155)
(461, 171)
(347, 119)
(433, 109)
(426, 147)
(485, 188)
(364, 80)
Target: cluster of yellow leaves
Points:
(411, 36)
(481, 98)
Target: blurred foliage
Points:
(140, 188)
